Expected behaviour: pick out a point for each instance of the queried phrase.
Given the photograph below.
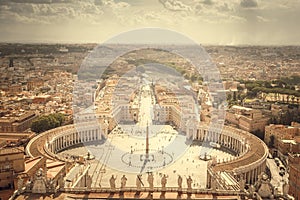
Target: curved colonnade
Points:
(55, 140)
(251, 154)
(231, 139)
(251, 151)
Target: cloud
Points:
(36, 1)
(241, 18)
(57, 12)
(248, 3)
(29, 1)
(198, 8)
(224, 8)
(208, 2)
(217, 12)
(261, 19)
(175, 5)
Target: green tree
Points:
(229, 97)
(234, 96)
(47, 122)
(259, 134)
(59, 117)
(272, 141)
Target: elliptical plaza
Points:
(124, 152)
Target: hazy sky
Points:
(230, 22)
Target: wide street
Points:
(276, 179)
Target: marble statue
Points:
(263, 187)
(150, 180)
(112, 182)
(20, 183)
(39, 183)
(213, 184)
(139, 182)
(163, 182)
(189, 182)
(242, 183)
(123, 181)
(179, 182)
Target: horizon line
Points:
(123, 43)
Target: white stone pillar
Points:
(235, 144)
(73, 138)
(214, 136)
(67, 137)
(252, 176)
(57, 144)
(222, 139)
(62, 141)
(200, 134)
(53, 145)
(228, 141)
(248, 177)
(256, 173)
(87, 135)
